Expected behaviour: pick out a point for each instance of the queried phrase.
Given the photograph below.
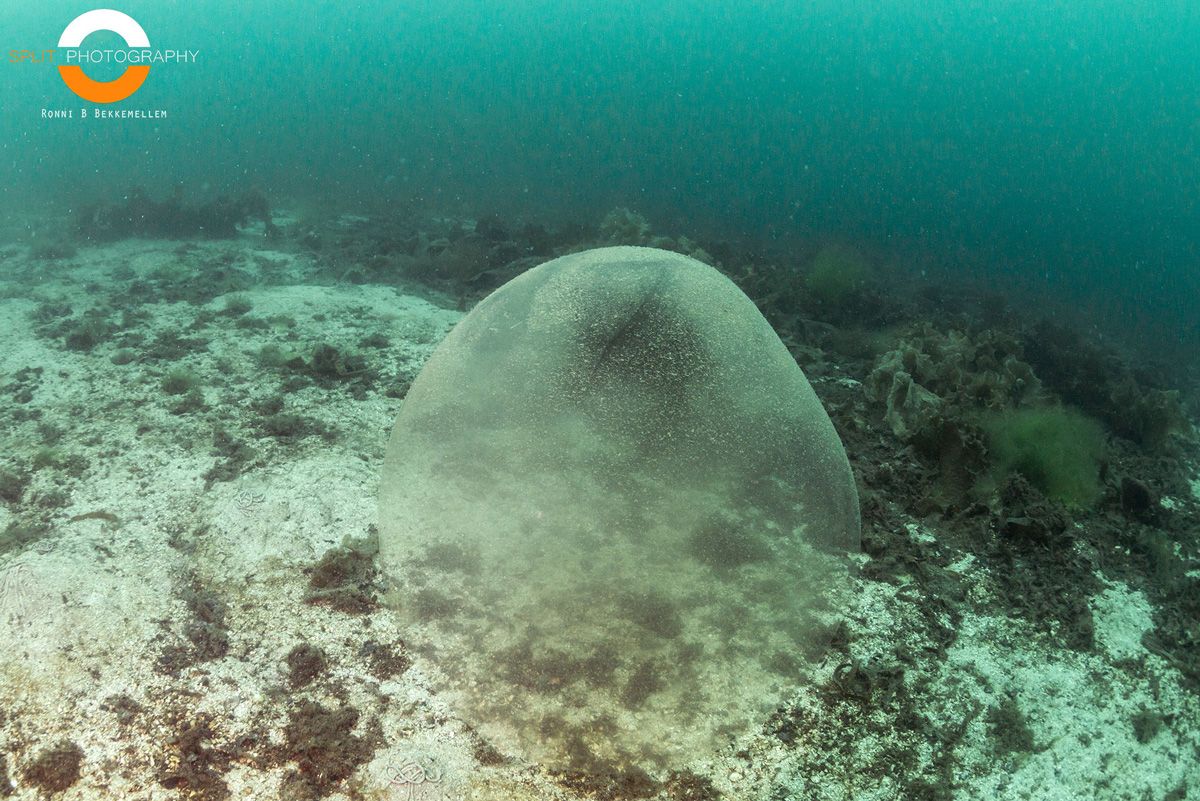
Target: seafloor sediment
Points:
(189, 608)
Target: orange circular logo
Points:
(125, 26)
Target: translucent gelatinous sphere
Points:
(613, 510)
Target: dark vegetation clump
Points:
(296, 382)
(377, 340)
(123, 356)
(344, 579)
(1009, 728)
(599, 668)
(170, 345)
(487, 754)
(209, 612)
(12, 485)
(137, 215)
(125, 709)
(610, 785)
(783, 663)
(655, 613)
(273, 357)
(233, 456)
(83, 333)
(6, 785)
(194, 767)
(288, 426)
(1146, 725)
(399, 389)
(385, 661)
(1138, 500)
(602, 779)
(197, 278)
(184, 538)
(251, 323)
(458, 258)
(642, 683)
(89, 332)
(23, 383)
(687, 786)
(878, 699)
(192, 401)
(865, 685)
(50, 458)
(1057, 449)
(271, 404)
(207, 632)
(327, 366)
(52, 498)
(840, 285)
(459, 261)
(179, 381)
(1133, 405)
(547, 671)
(51, 433)
(589, 774)
(236, 306)
(1027, 519)
(433, 604)
(322, 743)
(49, 311)
(329, 362)
(55, 768)
(550, 670)
(305, 663)
(21, 532)
(1038, 574)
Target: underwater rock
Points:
(137, 215)
(1137, 499)
(623, 226)
(910, 407)
(610, 497)
(1103, 384)
(1027, 517)
(931, 369)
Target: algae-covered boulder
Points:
(613, 511)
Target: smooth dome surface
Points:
(613, 509)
